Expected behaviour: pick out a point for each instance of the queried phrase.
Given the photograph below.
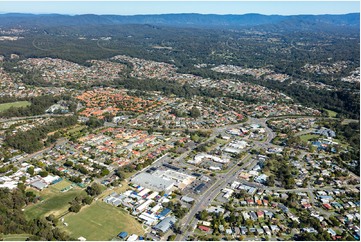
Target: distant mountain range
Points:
(180, 20)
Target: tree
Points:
(87, 200)
(94, 122)
(203, 215)
(334, 221)
(75, 207)
(43, 173)
(171, 237)
(194, 112)
(150, 130)
(76, 179)
(104, 172)
(270, 181)
(30, 170)
(119, 173)
(94, 190)
(68, 163)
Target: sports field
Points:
(5, 106)
(55, 202)
(101, 221)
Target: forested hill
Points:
(182, 20)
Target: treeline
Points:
(32, 140)
(10, 99)
(38, 106)
(13, 220)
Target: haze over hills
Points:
(181, 20)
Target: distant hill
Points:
(182, 20)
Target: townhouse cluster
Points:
(108, 100)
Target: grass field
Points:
(101, 221)
(5, 106)
(55, 202)
(307, 137)
(331, 114)
(16, 237)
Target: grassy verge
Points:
(16, 237)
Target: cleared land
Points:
(5, 106)
(101, 221)
(55, 202)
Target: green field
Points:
(307, 137)
(101, 221)
(5, 106)
(16, 237)
(54, 202)
(61, 185)
(331, 114)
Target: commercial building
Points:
(181, 180)
(199, 158)
(153, 183)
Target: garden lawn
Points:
(101, 221)
(5, 106)
(307, 137)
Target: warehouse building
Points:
(181, 180)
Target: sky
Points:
(159, 7)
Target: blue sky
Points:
(152, 7)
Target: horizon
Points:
(285, 8)
(130, 15)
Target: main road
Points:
(208, 196)
(211, 193)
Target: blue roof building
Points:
(123, 235)
(165, 212)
